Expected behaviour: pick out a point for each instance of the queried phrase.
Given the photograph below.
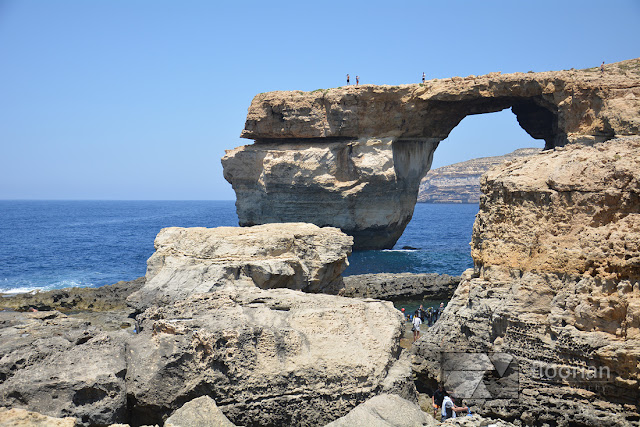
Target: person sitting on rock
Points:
(416, 326)
(449, 408)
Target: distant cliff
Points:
(460, 182)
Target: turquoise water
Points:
(55, 244)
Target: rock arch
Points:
(353, 157)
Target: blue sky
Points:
(139, 99)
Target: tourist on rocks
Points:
(421, 313)
(449, 408)
(357, 80)
(347, 79)
(430, 316)
(416, 326)
(437, 398)
(602, 68)
(423, 77)
(440, 310)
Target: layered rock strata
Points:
(556, 285)
(353, 157)
(267, 357)
(402, 286)
(195, 260)
(460, 182)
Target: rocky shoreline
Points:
(251, 326)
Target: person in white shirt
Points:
(416, 326)
(449, 408)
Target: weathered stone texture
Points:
(575, 210)
(365, 187)
(392, 287)
(267, 357)
(60, 367)
(556, 284)
(195, 260)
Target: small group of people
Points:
(357, 80)
(442, 401)
(424, 76)
(420, 316)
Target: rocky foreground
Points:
(265, 356)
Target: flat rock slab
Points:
(386, 410)
(200, 412)
(196, 260)
(392, 287)
(267, 357)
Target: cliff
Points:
(556, 285)
(353, 157)
(460, 182)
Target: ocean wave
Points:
(25, 288)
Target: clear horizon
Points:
(117, 100)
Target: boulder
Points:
(267, 357)
(62, 367)
(385, 410)
(400, 286)
(195, 260)
(199, 412)
(23, 418)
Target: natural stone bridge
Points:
(353, 157)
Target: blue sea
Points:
(55, 244)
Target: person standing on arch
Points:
(347, 79)
(602, 68)
(423, 77)
(357, 80)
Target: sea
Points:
(48, 245)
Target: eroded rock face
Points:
(556, 284)
(353, 157)
(366, 187)
(267, 357)
(574, 210)
(62, 367)
(195, 260)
